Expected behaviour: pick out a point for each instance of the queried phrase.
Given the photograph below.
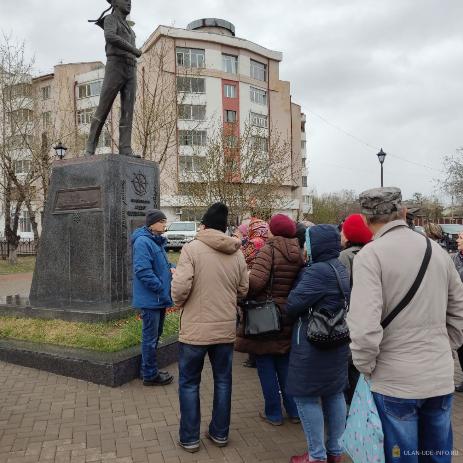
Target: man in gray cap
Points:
(404, 344)
(152, 276)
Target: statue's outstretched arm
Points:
(110, 33)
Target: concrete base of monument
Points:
(15, 306)
(107, 368)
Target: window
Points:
(192, 137)
(191, 164)
(20, 116)
(258, 96)
(191, 112)
(46, 119)
(258, 71)
(303, 126)
(190, 57)
(260, 144)
(230, 141)
(22, 90)
(90, 89)
(304, 181)
(190, 85)
(229, 91)
(46, 92)
(182, 226)
(306, 199)
(230, 64)
(259, 120)
(25, 223)
(303, 163)
(22, 166)
(303, 144)
(84, 116)
(104, 140)
(230, 116)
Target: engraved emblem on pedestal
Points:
(140, 184)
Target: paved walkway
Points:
(16, 283)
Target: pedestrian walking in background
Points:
(458, 261)
(282, 254)
(211, 275)
(317, 377)
(152, 275)
(408, 358)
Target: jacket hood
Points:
(289, 247)
(219, 241)
(325, 242)
(144, 231)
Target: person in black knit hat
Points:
(216, 217)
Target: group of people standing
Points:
(376, 256)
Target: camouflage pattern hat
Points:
(380, 201)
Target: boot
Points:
(125, 140)
(300, 458)
(335, 458)
(459, 388)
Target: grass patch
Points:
(104, 337)
(25, 264)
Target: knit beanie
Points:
(153, 216)
(216, 217)
(355, 230)
(282, 225)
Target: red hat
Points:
(355, 230)
(282, 225)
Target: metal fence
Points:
(25, 248)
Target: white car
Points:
(179, 233)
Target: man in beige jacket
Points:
(410, 361)
(211, 275)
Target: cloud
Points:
(387, 72)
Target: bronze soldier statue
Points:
(120, 75)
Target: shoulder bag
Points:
(262, 317)
(327, 329)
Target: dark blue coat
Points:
(312, 371)
(151, 271)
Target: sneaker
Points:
(190, 448)
(162, 379)
(217, 441)
(269, 421)
(300, 458)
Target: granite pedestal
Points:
(84, 262)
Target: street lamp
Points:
(60, 150)
(381, 157)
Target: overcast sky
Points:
(368, 73)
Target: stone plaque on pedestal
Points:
(84, 261)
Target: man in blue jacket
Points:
(152, 276)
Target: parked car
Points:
(451, 232)
(179, 233)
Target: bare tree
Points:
(247, 171)
(453, 181)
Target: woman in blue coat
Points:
(317, 377)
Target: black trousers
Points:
(120, 77)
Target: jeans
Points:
(190, 366)
(313, 411)
(153, 324)
(416, 430)
(273, 371)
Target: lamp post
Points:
(381, 157)
(60, 150)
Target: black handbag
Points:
(262, 317)
(327, 329)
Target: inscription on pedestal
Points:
(77, 199)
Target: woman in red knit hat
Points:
(354, 235)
